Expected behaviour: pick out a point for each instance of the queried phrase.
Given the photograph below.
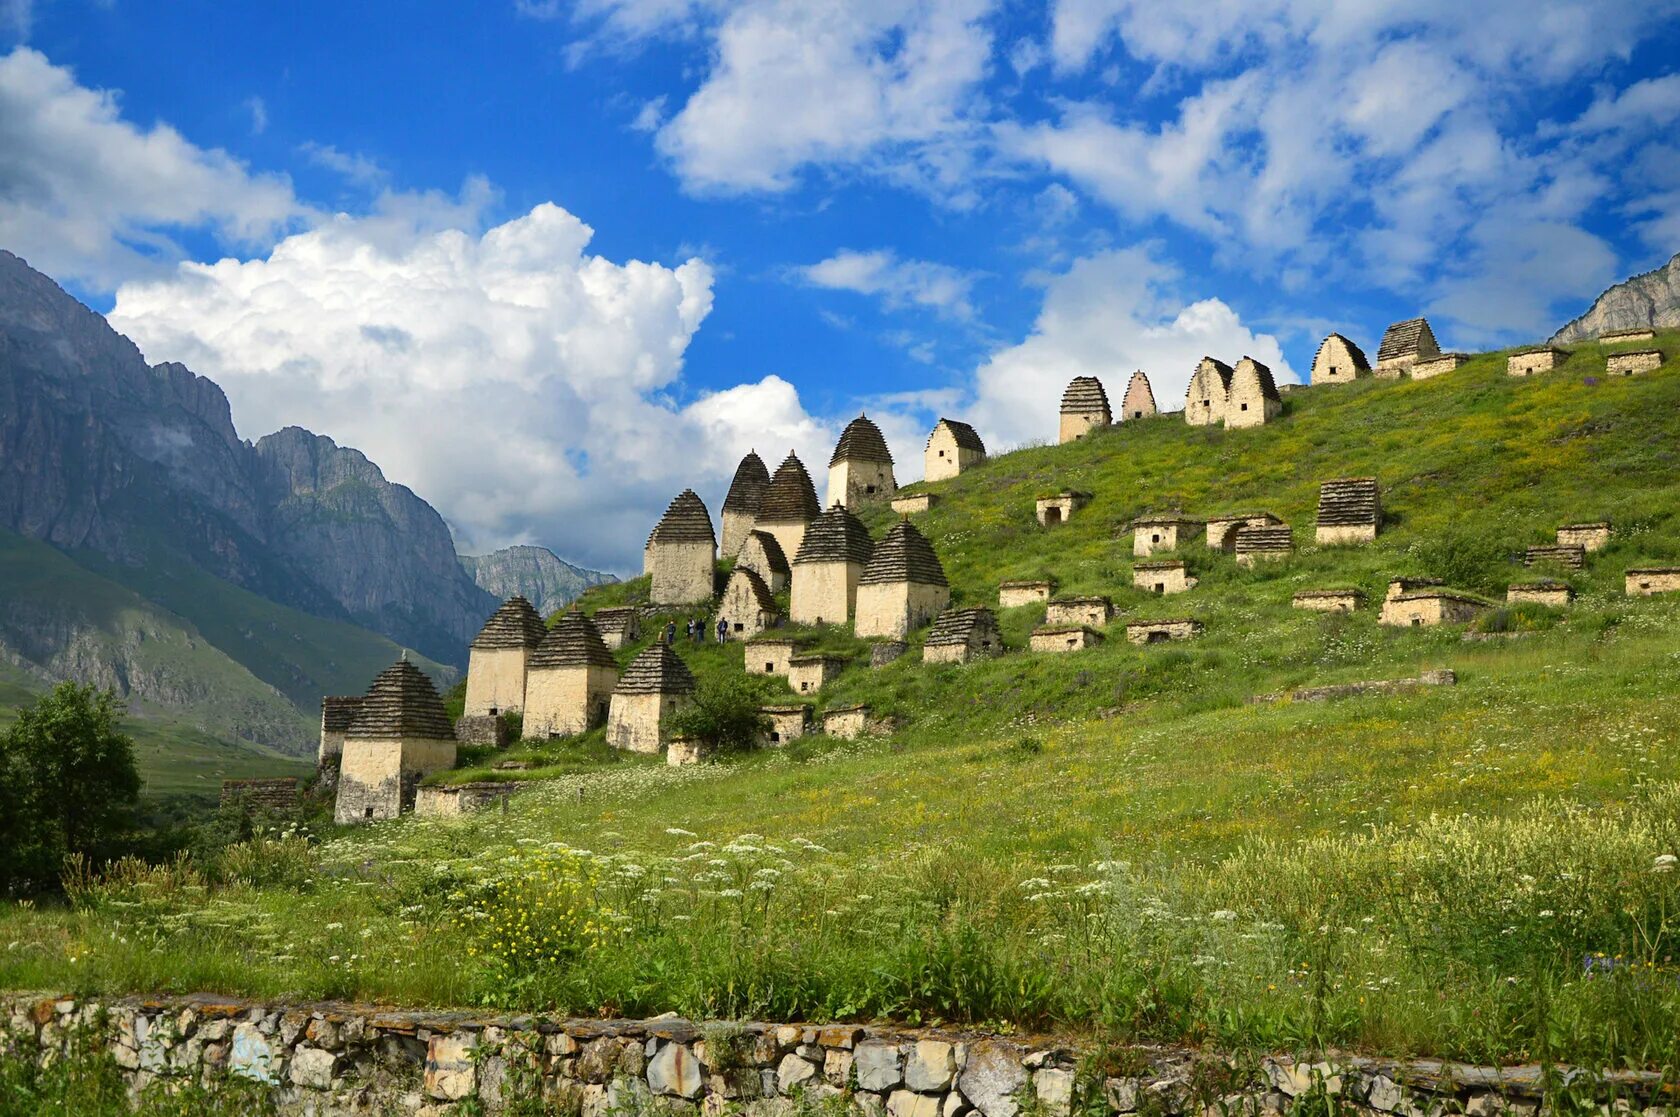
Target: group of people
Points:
(697, 631)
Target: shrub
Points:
(724, 714)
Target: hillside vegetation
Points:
(1117, 841)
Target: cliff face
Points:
(1651, 300)
(536, 573)
(101, 452)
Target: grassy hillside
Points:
(1116, 842)
(226, 683)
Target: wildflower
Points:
(1665, 863)
(679, 832)
(1224, 915)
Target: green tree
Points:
(724, 714)
(73, 785)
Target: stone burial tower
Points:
(951, 448)
(1349, 511)
(656, 685)
(498, 658)
(827, 568)
(570, 680)
(741, 504)
(862, 466)
(1404, 344)
(789, 505)
(1339, 361)
(1084, 409)
(1253, 399)
(400, 736)
(682, 553)
(1204, 399)
(903, 587)
(1139, 402)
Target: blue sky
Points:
(550, 263)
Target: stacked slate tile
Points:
(861, 441)
(1569, 555)
(1411, 338)
(904, 555)
(657, 670)
(791, 497)
(515, 624)
(685, 521)
(1085, 396)
(746, 491)
(338, 711)
(966, 437)
(402, 702)
(1275, 539)
(573, 642)
(835, 536)
(960, 627)
(763, 600)
(1350, 502)
(774, 557)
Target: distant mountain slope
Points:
(537, 573)
(100, 452)
(1650, 301)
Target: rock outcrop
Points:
(100, 452)
(535, 573)
(1651, 301)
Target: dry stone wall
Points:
(334, 1059)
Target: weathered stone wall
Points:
(752, 557)
(451, 800)
(852, 722)
(1328, 601)
(1165, 578)
(1437, 366)
(1058, 509)
(1556, 594)
(824, 592)
(269, 795)
(561, 701)
(1418, 610)
(787, 723)
(636, 722)
(1222, 530)
(1533, 361)
(1077, 426)
(736, 527)
(768, 657)
(914, 503)
(1056, 639)
(789, 535)
(740, 609)
(1631, 364)
(1155, 632)
(495, 681)
(1072, 612)
(944, 459)
(683, 573)
(893, 609)
(378, 778)
(1247, 405)
(1588, 537)
(1149, 538)
(1334, 363)
(1011, 594)
(482, 729)
(1649, 580)
(1204, 399)
(808, 676)
(335, 1060)
(853, 482)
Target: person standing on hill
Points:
(722, 631)
(670, 633)
(690, 629)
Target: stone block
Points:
(1054, 1090)
(930, 1066)
(675, 1072)
(794, 1073)
(908, 1103)
(312, 1068)
(991, 1077)
(251, 1056)
(450, 1074)
(837, 1066)
(879, 1067)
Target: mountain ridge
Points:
(1650, 300)
(543, 578)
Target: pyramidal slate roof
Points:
(956, 626)
(657, 670)
(338, 711)
(1349, 502)
(835, 536)
(904, 555)
(1412, 337)
(573, 642)
(966, 436)
(763, 600)
(861, 441)
(685, 521)
(791, 498)
(1358, 354)
(515, 625)
(402, 702)
(1084, 395)
(1219, 366)
(774, 556)
(1268, 386)
(746, 491)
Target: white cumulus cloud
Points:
(520, 384)
(87, 195)
(1109, 315)
(898, 283)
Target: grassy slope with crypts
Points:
(1120, 839)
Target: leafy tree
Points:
(72, 785)
(724, 714)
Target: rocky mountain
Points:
(537, 573)
(1651, 300)
(141, 466)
